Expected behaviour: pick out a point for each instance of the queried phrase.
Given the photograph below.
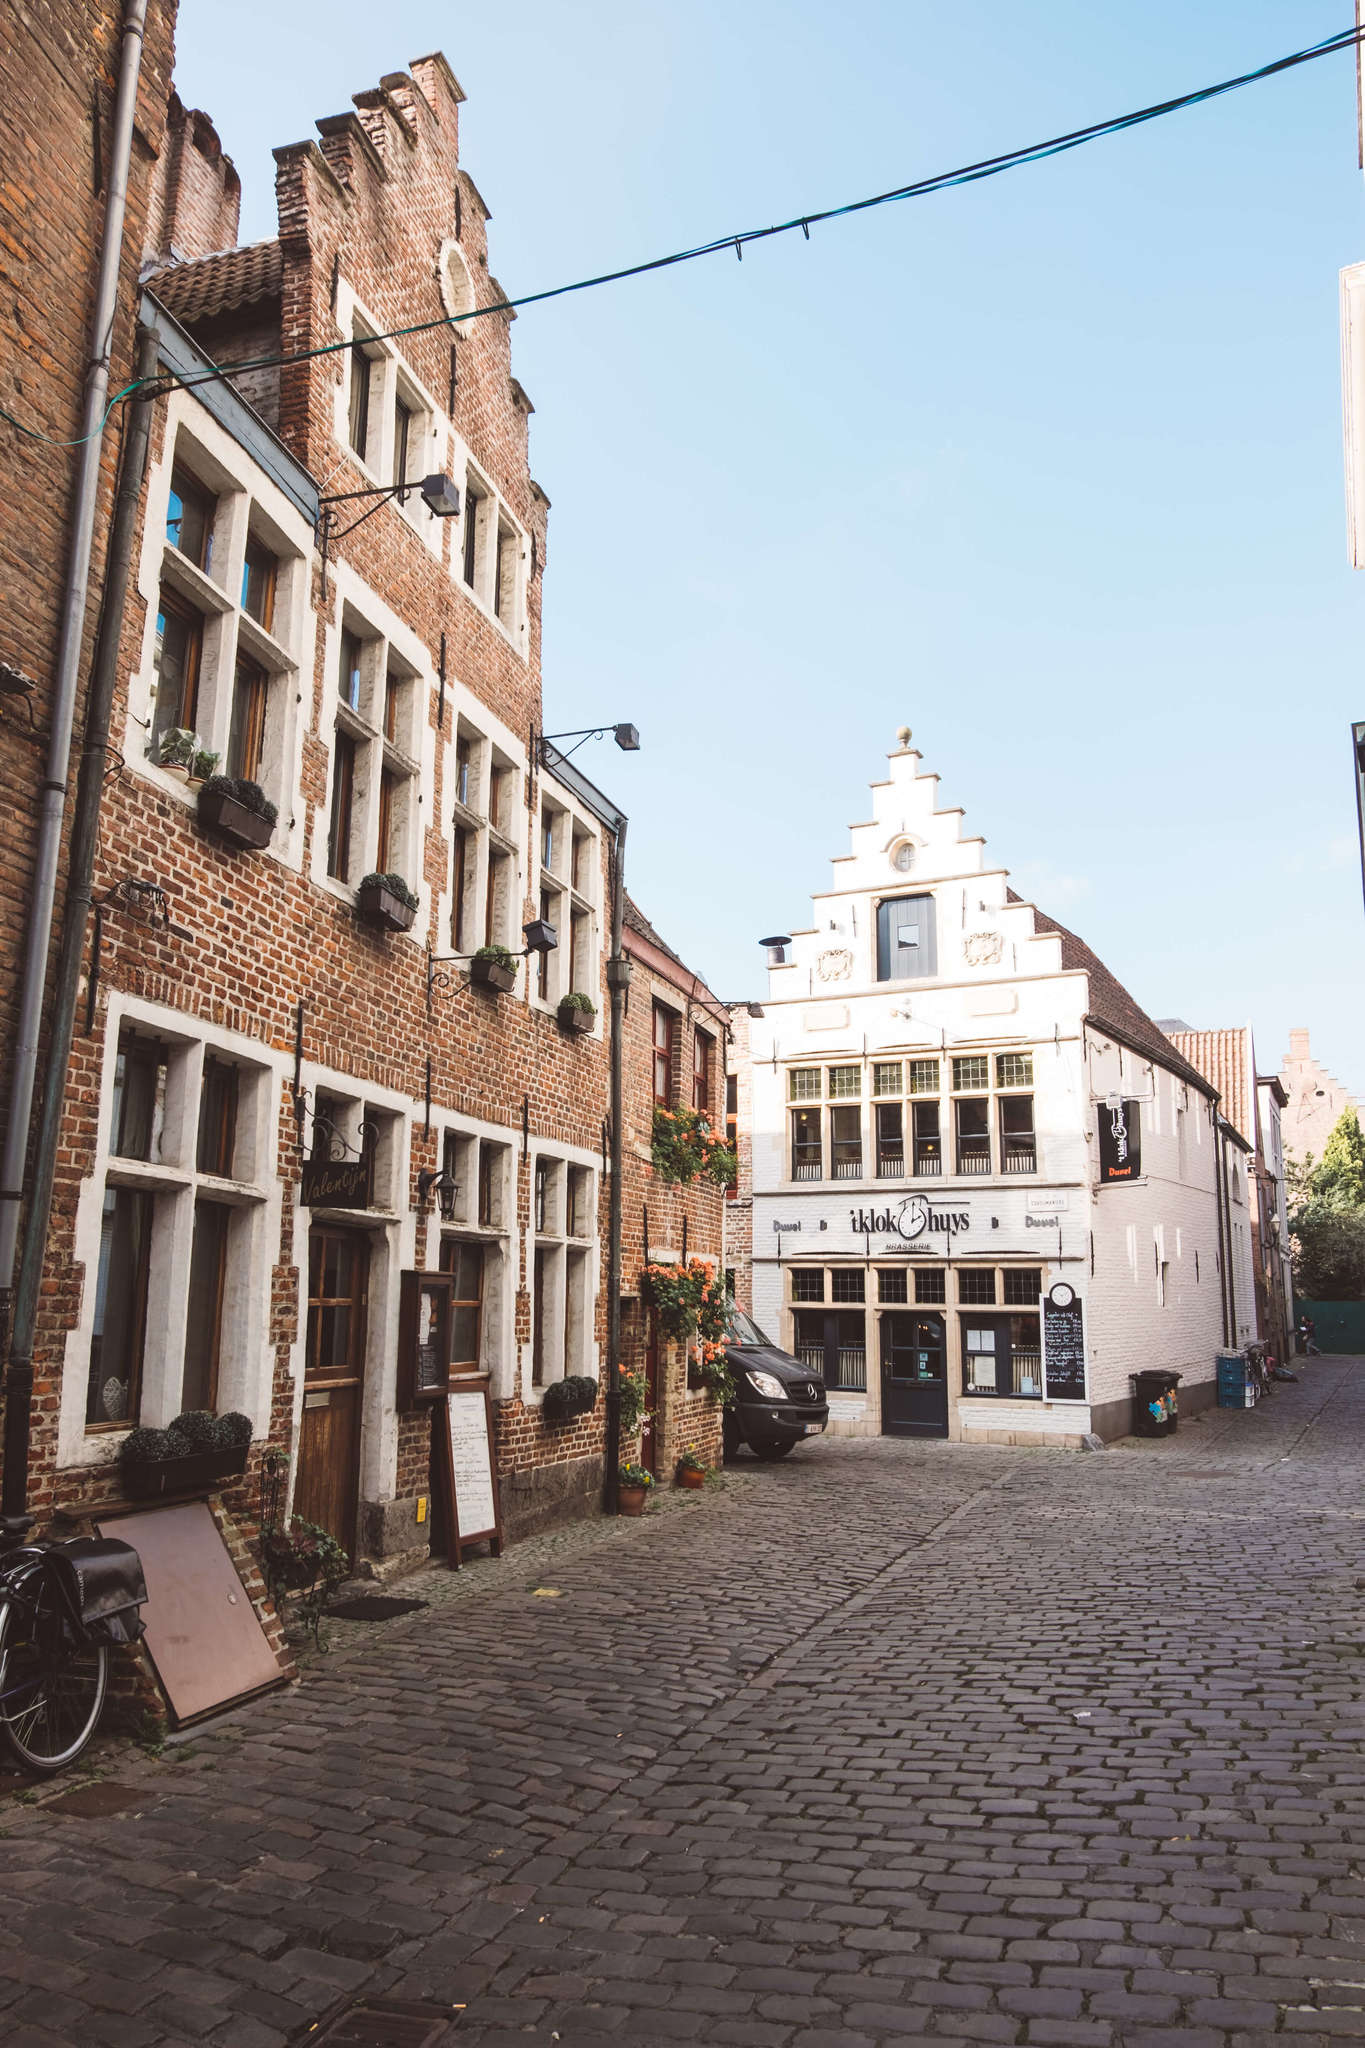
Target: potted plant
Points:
(632, 1485)
(197, 1450)
(237, 810)
(304, 1560)
(692, 1470)
(386, 902)
(494, 967)
(203, 765)
(683, 1146)
(577, 1012)
(176, 749)
(565, 1400)
(633, 1388)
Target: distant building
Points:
(1315, 1100)
(985, 1188)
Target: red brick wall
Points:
(196, 195)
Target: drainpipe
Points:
(1224, 1252)
(618, 981)
(75, 917)
(75, 602)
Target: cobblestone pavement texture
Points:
(892, 1742)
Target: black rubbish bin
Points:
(1155, 1403)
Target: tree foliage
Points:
(1327, 1221)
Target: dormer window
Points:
(906, 948)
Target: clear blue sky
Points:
(1048, 468)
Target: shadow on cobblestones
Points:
(894, 1741)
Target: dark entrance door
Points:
(914, 1376)
(327, 1488)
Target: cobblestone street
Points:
(892, 1741)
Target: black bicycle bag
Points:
(104, 1584)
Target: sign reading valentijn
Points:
(1120, 1142)
(335, 1184)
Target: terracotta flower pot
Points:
(689, 1477)
(631, 1499)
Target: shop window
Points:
(834, 1345)
(1002, 1357)
(976, 1284)
(846, 1283)
(1022, 1285)
(808, 1283)
(931, 1284)
(190, 511)
(892, 1284)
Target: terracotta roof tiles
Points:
(213, 285)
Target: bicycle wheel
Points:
(52, 1686)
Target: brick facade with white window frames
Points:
(675, 1050)
(387, 708)
(925, 1081)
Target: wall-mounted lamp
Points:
(432, 1180)
(627, 738)
(540, 937)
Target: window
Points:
(246, 735)
(464, 768)
(362, 378)
(540, 1312)
(886, 1077)
(976, 1283)
(845, 1081)
(890, 1141)
(807, 1152)
(903, 859)
(928, 1140)
(190, 511)
(348, 676)
(460, 882)
(474, 517)
(808, 1284)
(139, 1098)
(1014, 1070)
(732, 1131)
(905, 938)
(217, 1118)
(176, 659)
(846, 1143)
(931, 1284)
(464, 1263)
(1022, 1285)
(892, 1285)
(259, 572)
(833, 1343)
(548, 914)
(923, 1077)
(972, 1114)
(846, 1283)
(580, 1202)
(803, 1084)
(114, 1388)
(563, 1269)
(703, 1053)
(402, 432)
(505, 567)
(1002, 1357)
(973, 1072)
(1017, 1150)
(204, 1306)
(542, 1197)
(665, 1056)
(548, 837)
(343, 804)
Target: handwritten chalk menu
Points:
(472, 1488)
(1063, 1344)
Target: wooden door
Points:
(914, 1376)
(328, 1484)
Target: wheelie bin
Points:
(1156, 1409)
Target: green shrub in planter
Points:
(231, 1431)
(253, 797)
(500, 956)
(145, 1447)
(634, 1478)
(561, 1401)
(196, 1430)
(395, 885)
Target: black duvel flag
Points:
(1120, 1142)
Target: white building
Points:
(985, 1185)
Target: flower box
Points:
(232, 821)
(377, 905)
(186, 1474)
(574, 1020)
(492, 974)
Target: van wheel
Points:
(770, 1453)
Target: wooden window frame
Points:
(665, 1052)
(703, 1066)
(341, 814)
(207, 502)
(250, 709)
(144, 1202)
(259, 557)
(218, 1113)
(170, 605)
(358, 403)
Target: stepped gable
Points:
(225, 283)
(1110, 1005)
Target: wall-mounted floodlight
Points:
(627, 738)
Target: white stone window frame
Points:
(498, 529)
(391, 1227)
(247, 1357)
(570, 1294)
(497, 1321)
(493, 746)
(248, 503)
(384, 638)
(391, 378)
(571, 823)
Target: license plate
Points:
(814, 1428)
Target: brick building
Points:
(674, 1056)
(985, 1186)
(370, 669)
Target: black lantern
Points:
(540, 937)
(445, 1187)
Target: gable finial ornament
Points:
(903, 735)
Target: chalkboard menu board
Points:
(464, 1430)
(1063, 1345)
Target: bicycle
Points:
(61, 1607)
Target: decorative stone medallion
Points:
(834, 965)
(983, 949)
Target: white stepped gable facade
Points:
(935, 1226)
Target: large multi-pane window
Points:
(910, 1119)
(493, 556)
(484, 866)
(562, 1274)
(372, 823)
(568, 876)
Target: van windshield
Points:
(746, 1334)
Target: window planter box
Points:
(492, 974)
(577, 1022)
(232, 821)
(183, 1475)
(380, 908)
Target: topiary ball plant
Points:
(146, 1447)
(196, 1430)
(585, 1392)
(561, 1402)
(231, 1432)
